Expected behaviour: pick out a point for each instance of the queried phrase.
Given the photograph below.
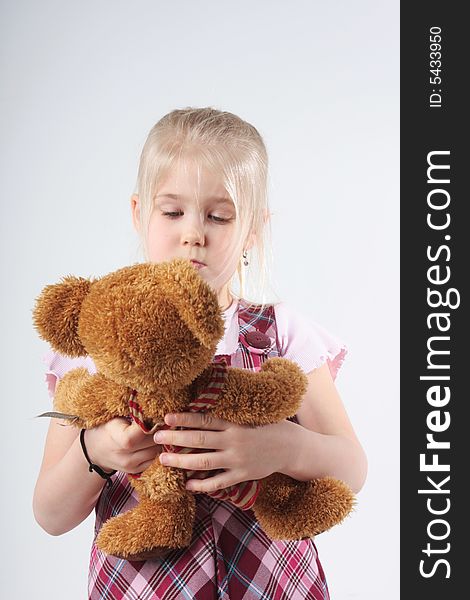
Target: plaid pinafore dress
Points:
(230, 557)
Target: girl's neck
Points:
(225, 300)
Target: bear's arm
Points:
(268, 396)
(92, 398)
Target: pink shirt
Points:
(303, 341)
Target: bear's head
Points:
(146, 326)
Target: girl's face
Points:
(194, 219)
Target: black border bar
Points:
(435, 248)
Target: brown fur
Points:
(154, 329)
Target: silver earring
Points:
(245, 260)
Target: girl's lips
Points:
(197, 264)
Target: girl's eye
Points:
(172, 214)
(217, 219)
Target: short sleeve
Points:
(57, 365)
(306, 342)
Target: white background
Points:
(82, 83)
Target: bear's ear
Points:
(195, 301)
(56, 314)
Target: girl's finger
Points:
(196, 421)
(210, 440)
(212, 484)
(131, 437)
(138, 461)
(206, 461)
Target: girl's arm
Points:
(66, 492)
(324, 443)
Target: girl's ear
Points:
(56, 314)
(135, 209)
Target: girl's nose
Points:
(193, 234)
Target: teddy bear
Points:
(152, 332)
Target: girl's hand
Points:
(121, 445)
(244, 453)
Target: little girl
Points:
(201, 195)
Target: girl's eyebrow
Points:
(218, 199)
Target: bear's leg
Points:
(288, 509)
(162, 520)
(150, 529)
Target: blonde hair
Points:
(231, 148)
